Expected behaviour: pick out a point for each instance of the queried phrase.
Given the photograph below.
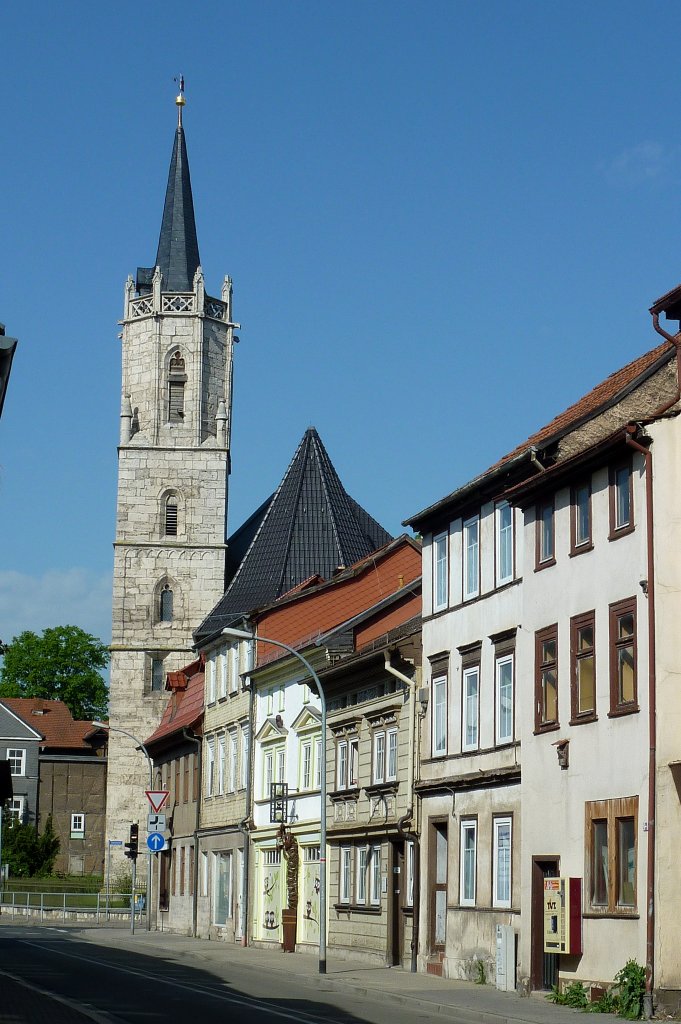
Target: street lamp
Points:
(243, 634)
(140, 746)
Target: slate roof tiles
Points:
(309, 528)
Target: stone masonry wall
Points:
(162, 457)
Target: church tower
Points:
(173, 469)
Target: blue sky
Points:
(445, 221)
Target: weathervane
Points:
(180, 100)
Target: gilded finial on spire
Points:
(180, 100)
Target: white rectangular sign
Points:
(156, 823)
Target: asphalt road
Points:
(52, 975)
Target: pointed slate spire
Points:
(178, 245)
(309, 527)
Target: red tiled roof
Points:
(599, 398)
(53, 720)
(589, 404)
(304, 617)
(184, 710)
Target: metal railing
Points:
(96, 908)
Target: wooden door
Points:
(543, 966)
(439, 855)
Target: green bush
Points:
(27, 852)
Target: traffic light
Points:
(131, 846)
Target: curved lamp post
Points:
(242, 634)
(140, 746)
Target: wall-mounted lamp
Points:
(423, 699)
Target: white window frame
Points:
(222, 672)
(203, 868)
(77, 825)
(210, 682)
(232, 761)
(306, 765)
(439, 716)
(222, 757)
(318, 763)
(233, 668)
(409, 894)
(468, 867)
(210, 767)
(375, 876)
(342, 764)
(345, 871)
(503, 900)
(391, 755)
(440, 571)
(268, 771)
(471, 708)
(361, 875)
(380, 755)
(500, 664)
(245, 743)
(471, 558)
(17, 758)
(16, 807)
(504, 542)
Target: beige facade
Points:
(372, 725)
(224, 805)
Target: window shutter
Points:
(176, 409)
(171, 517)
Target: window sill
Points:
(584, 719)
(344, 794)
(622, 532)
(545, 565)
(581, 550)
(549, 727)
(622, 710)
(381, 788)
(630, 915)
(357, 908)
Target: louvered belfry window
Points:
(176, 382)
(171, 516)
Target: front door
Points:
(438, 874)
(543, 966)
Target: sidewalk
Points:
(462, 1001)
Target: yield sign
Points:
(157, 798)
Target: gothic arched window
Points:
(166, 604)
(176, 382)
(171, 516)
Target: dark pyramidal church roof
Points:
(178, 245)
(310, 526)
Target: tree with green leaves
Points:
(63, 663)
(27, 852)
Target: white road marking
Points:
(246, 1001)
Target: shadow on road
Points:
(69, 977)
